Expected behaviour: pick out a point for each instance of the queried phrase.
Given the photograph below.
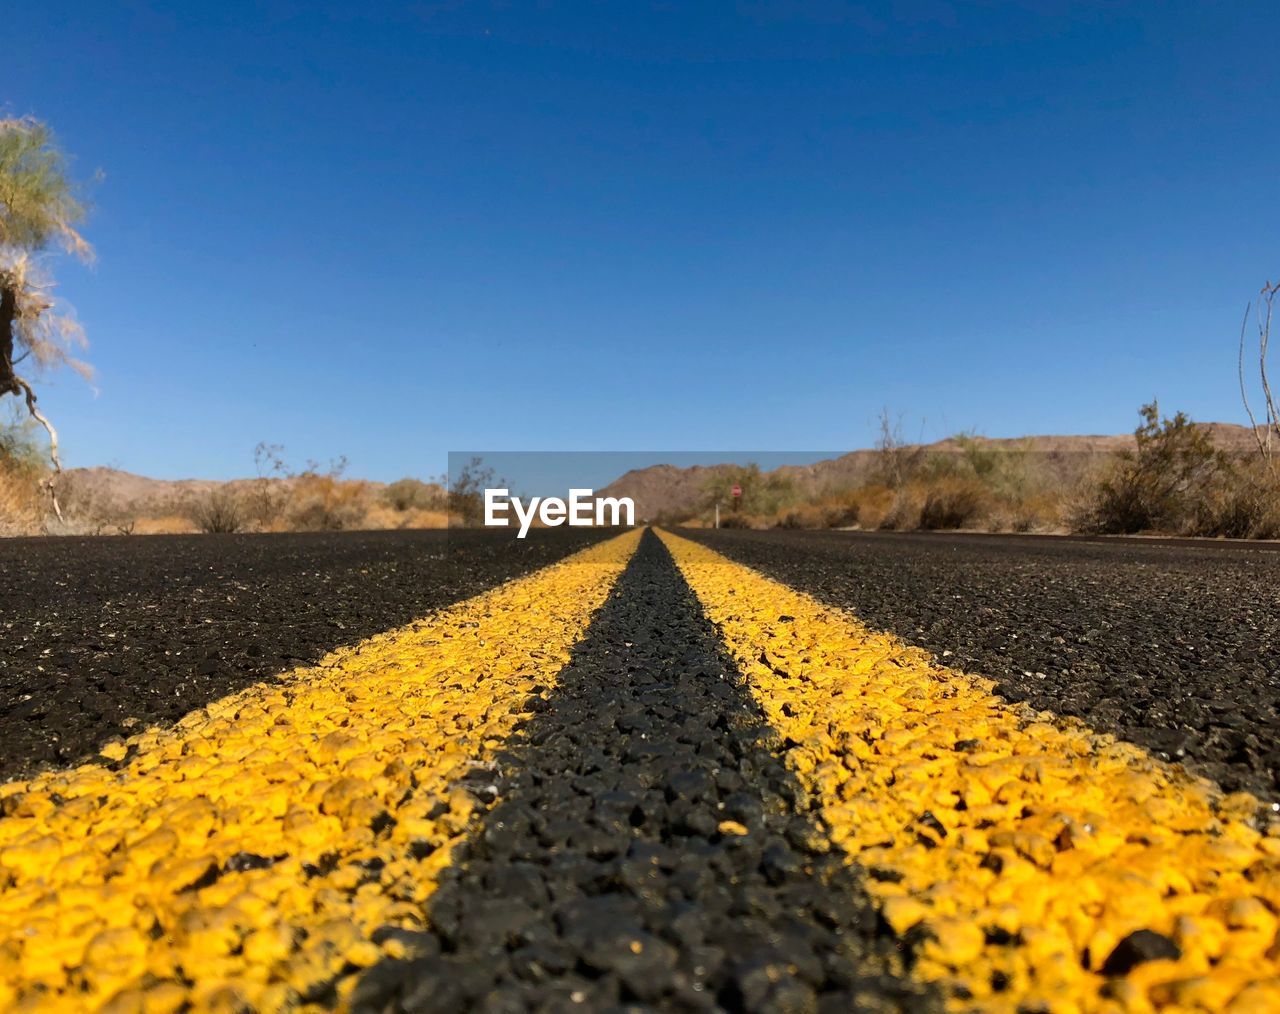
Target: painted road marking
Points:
(1015, 851)
(247, 856)
(647, 849)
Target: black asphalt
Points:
(104, 636)
(603, 877)
(1171, 645)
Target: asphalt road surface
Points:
(714, 771)
(1171, 645)
(104, 636)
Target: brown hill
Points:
(668, 491)
(114, 486)
(664, 490)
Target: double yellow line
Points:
(247, 856)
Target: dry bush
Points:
(23, 501)
(165, 524)
(903, 513)
(413, 494)
(378, 515)
(953, 503)
(827, 513)
(1043, 512)
(219, 512)
(1159, 485)
(102, 515)
(466, 493)
(983, 484)
(269, 491)
(763, 497)
(20, 503)
(874, 502)
(1243, 504)
(805, 516)
(326, 503)
(897, 462)
(425, 519)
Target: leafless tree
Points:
(898, 461)
(1268, 434)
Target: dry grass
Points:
(23, 503)
(314, 502)
(20, 507)
(305, 503)
(985, 487)
(165, 524)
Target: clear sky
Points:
(625, 225)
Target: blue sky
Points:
(388, 232)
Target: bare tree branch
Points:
(1269, 432)
(39, 417)
(1264, 339)
(1263, 450)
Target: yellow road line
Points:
(1018, 849)
(147, 887)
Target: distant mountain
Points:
(671, 492)
(114, 486)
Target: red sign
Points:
(737, 492)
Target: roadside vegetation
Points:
(277, 499)
(315, 498)
(1173, 481)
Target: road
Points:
(1172, 645)
(635, 773)
(104, 636)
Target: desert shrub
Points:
(873, 502)
(269, 491)
(466, 492)
(903, 513)
(1028, 513)
(952, 504)
(1243, 503)
(840, 514)
(20, 512)
(763, 495)
(165, 524)
(326, 503)
(218, 512)
(897, 462)
(807, 516)
(108, 514)
(22, 470)
(731, 520)
(1156, 486)
(413, 494)
(828, 513)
